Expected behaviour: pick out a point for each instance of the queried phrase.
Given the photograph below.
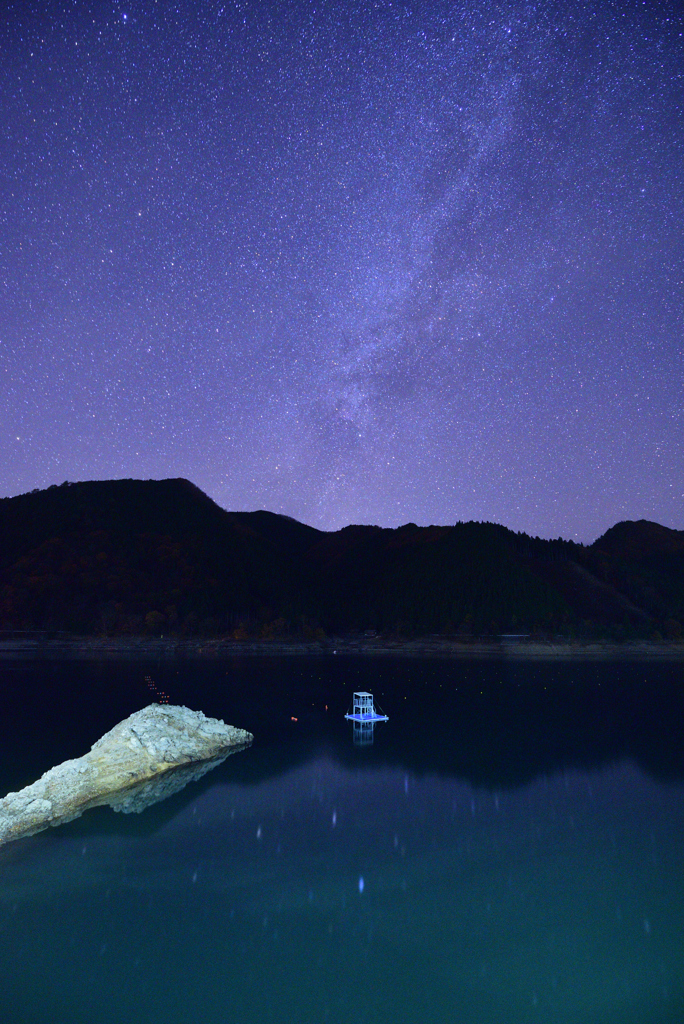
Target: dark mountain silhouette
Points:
(640, 539)
(132, 556)
(645, 563)
(108, 555)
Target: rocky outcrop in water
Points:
(145, 758)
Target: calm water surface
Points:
(508, 849)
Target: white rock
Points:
(158, 743)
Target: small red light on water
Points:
(293, 719)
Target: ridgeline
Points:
(134, 557)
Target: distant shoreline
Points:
(434, 646)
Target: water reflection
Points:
(142, 795)
(560, 900)
(362, 733)
(496, 725)
(509, 850)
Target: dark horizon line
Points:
(284, 515)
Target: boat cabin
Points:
(363, 708)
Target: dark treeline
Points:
(160, 557)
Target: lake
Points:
(507, 848)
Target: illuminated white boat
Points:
(363, 709)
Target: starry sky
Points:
(369, 262)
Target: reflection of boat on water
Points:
(363, 709)
(363, 733)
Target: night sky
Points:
(361, 262)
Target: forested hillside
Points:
(160, 557)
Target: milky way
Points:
(353, 262)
